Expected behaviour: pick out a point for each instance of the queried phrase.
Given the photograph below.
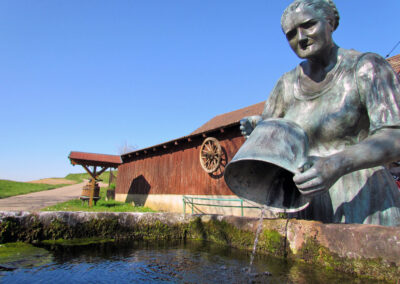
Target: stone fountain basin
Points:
(367, 250)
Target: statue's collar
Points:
(307, 89)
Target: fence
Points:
(190, 201)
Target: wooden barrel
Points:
(86, 190)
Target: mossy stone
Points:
(23, 255)
(375, 268)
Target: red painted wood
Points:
(178, 170)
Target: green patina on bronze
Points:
(327, 128)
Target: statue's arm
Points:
(380, 148)
(273, 108)
(275, 105)
(379, 90)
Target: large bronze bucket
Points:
(262, 170)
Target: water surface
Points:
(159, 262)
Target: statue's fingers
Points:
(312, 191)
(312, 185)
(305, 177)
(304, 166)
(243, 121)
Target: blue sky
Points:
(93, 75)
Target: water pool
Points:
(155, 262)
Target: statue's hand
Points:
(319, 177)
(248, 123)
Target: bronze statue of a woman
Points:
(348, 103)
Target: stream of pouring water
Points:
(260, 223)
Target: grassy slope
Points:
(11, 188)
(102, 206)
(80, 177)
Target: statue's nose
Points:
(302, 39)
(301, 35)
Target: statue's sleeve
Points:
(379, 90)
(274, 106)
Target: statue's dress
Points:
(358, 97)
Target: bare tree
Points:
(126, 148)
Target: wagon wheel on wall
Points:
(210, 155)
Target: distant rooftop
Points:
(230, 117)
(92, 159)
(395, 62)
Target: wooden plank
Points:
(178, 172)
(88, 171)
(101, 171)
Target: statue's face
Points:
(309, 33)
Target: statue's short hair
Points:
(327, 7)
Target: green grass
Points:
(102, 206)
(80, 177)
(11, 188)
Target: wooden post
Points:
(92, 183)
(111, 179)
(92, 187)
(94, 176)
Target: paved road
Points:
(37, 200)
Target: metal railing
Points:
(190, 201)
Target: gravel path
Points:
(37, 200)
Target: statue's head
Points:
(308, 26)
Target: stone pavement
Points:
(37, 200)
